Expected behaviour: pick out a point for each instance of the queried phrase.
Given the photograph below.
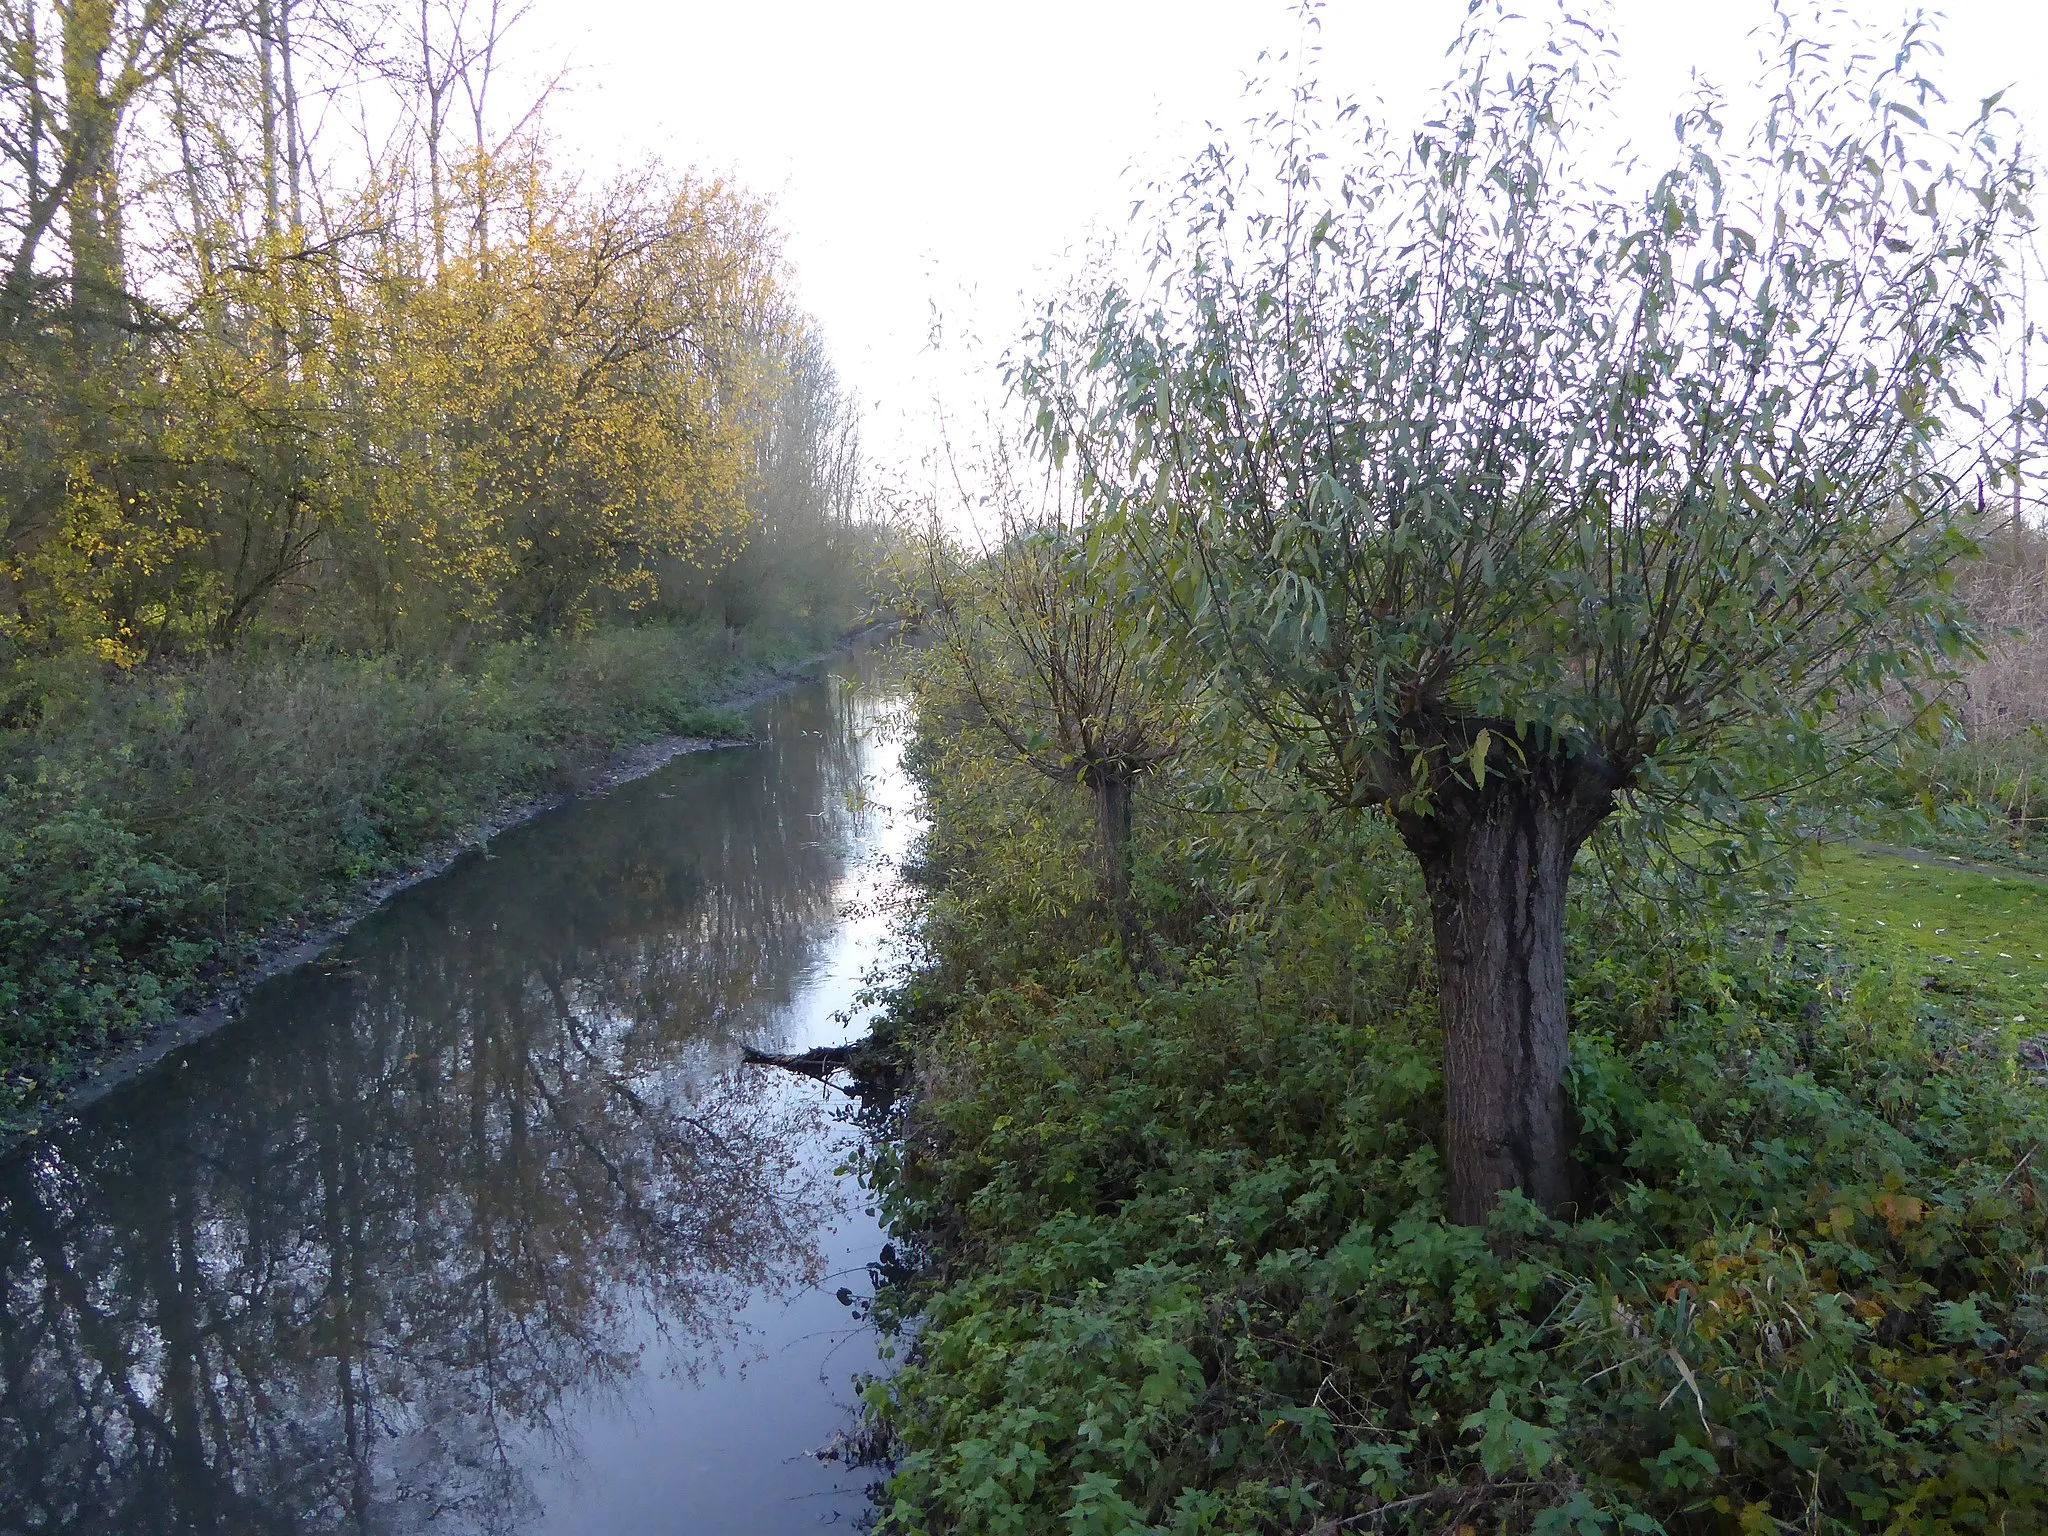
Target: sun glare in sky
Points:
(941, 162)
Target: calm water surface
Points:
(479, 1226)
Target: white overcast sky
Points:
(952, 153)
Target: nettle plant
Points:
(1503, 501)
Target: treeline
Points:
(361, 470)
(296, 342)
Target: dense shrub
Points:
(1983, 798)
(96, 934)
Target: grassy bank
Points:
(153, 827)
(1978, 938)
(1175, 1241)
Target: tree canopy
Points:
(1500, 489)
(304, 333)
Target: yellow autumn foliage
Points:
(572, 405)
(357, 439)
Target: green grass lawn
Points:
(1978, 937)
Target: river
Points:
(478, 1225)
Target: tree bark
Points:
(1112, 792)
(265, 27)
(1496, 861)
(93, 202)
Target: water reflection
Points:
(356, 1261)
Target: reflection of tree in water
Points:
(321, 1278)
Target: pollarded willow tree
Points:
(1500, 501)
(1040, 631)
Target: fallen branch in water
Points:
(820, 1062)
(874, 1065)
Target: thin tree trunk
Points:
(98, 291)
(294, 146)
(266, 79)
(195, 188)
(434, 86)
(2019, 453)
(1496, 862)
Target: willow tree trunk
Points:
(1496, 861)
(1112, 792)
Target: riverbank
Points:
(1176, 1255)
(178, 840)
(477, 1224)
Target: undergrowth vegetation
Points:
(1177, 1239)
(1973, 796)
(1444, 1112)
(154, 825)
(1975, 784)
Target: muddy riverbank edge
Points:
(295, 943)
